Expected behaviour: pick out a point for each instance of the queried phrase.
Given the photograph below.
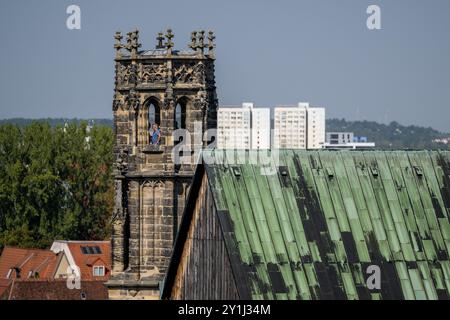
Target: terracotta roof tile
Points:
(25, 261)
(44, 289)
(4, 284)
(85, 261)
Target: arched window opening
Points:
(180, 120)
(153, 124)
(153, 114)
(178, 117)
(180, 114)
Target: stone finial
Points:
(193, 44)
(133, 42)
(160, 39)
(169, 42)
(211, 44)
(118, 44)
(201, 41)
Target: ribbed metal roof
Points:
(311, 229)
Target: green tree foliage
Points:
(55, 183)
(56, 121)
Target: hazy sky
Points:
(268, 52)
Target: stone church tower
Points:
(176, 90)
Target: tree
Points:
(55, 183)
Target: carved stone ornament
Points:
(118, 43)
(153, 184)
(193, 43)
(133, 43)
(211, 44)
(169, 43)
(168, 102)
(126, 74)
(152, 73)
(117, 103)
(193, 72)
(132, 100)
(201, 100)
(121, 164)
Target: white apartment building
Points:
(316, 128)
(301, 127)
(289, 128)
(260, 128)
(243, 128)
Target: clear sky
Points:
(268, 52)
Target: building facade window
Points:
(98, 271)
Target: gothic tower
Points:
(176, 90)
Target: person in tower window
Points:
(155, 134)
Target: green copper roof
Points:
(312, 228)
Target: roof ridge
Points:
(46, 261)
(26, 260)
(25, 249)
(82, 241)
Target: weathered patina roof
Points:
(311, 227)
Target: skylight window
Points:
(91, 250)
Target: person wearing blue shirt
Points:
(155, 134)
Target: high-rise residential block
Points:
(243, 127)
(300, 127)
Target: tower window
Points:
(178, 119)
(153, 118)
(153, 114)
(180, 114)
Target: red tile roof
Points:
(44, 289)
(86, 261)
(4, 284)
(23, 261)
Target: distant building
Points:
(260, 128)
(339, 137)
(315, 132)
(233, 128)
(243, 127)
(442, 140)
(301, 127)
(289, 128)
(346, 140)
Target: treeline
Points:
(386, 136)
(57, 121)
(55, 183)
(390, 136)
